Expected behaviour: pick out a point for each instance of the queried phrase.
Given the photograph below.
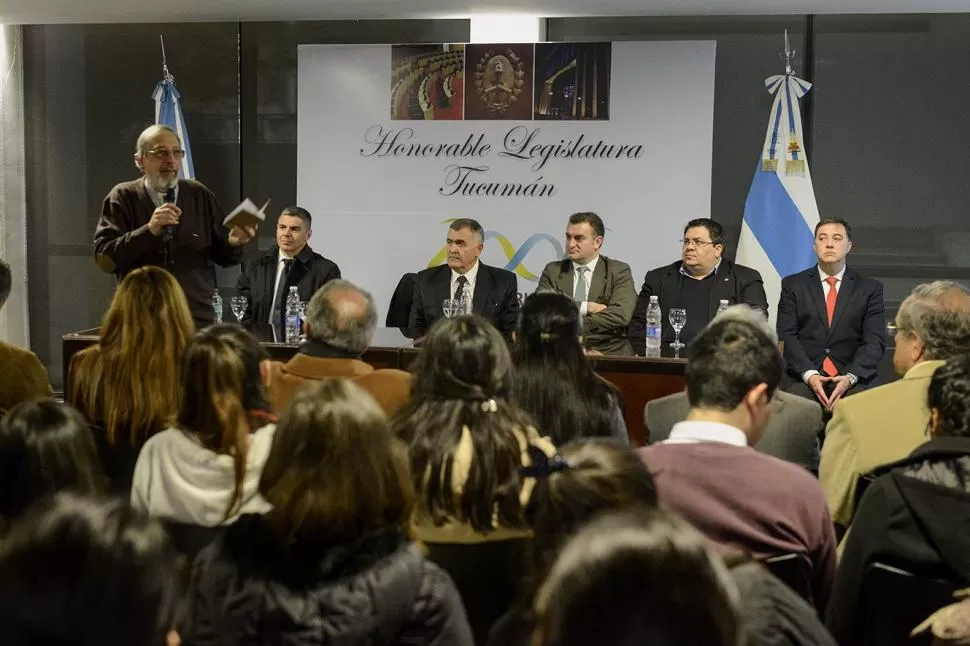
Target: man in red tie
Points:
(831, 321)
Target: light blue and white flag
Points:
(780, 213)
(168, 111)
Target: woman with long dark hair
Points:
(205, 469)
(553, 380)
(467, 444)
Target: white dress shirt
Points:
(471, 276)
(159, 198)
(694, 431)
(684, 272)
(591, 265)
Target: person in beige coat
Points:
(885, 424)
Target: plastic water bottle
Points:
(654, 317)
(723, 305)
(217, 306)
(292, 319)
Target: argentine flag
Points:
(780, 213)
(168, 111)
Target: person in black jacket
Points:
(331, 563)
(916, 514)
(697, 282)
(266, 279)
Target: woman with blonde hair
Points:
(126, 385)
(204, 470)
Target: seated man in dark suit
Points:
(24, 376)
(698, 282)
(602, 287)
(488, 291)
(831, 320)
(266, 279)
(340, 324)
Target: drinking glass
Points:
(678, 319)
(238, 305)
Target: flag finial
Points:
(788, 55)
(165, 73)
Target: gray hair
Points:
(939, 314)
(468, 223)
(149, 133)
(343, 316)
(747, 314)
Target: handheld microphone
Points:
(168, 233)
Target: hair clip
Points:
(489, 406)
(542, 465)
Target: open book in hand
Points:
(246, 215)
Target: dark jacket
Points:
(309, 272)
(495, 297)
(736, 283)
(245, 590)
(857, 337)
(914, 516)
(123, 242)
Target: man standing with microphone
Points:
(159, 219)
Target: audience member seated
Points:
(791, 434)
(594, 476)
(45, 447)
(204, 470)
(637, 578)
(916, 514)
(76, 572)
(709, 474)
(886, 423)
(331, 562)
(466, 444)
(127, 385)
(553, 381)
(24, 376)
(340, 324)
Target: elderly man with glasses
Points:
(698, 282)
(159, 219)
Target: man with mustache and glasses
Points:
(488, 291)
(159, 219)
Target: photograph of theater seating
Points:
(572, 81)
(427, 82)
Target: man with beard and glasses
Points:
(159, 219)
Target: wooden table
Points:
(638, 379)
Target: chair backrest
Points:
(794, 571)
(895, 601)
(399, 309)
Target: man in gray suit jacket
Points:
(602, 287)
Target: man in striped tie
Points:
(831, 321)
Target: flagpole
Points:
(165, 73)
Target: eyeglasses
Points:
(694, 241)
(162, 153)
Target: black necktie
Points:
(280, 297)
(460, 288)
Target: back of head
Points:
(637, 578)
(334, 473)
(45, 447)
(132, 385)
(223, 393)
(6, 282)
(595, 476)
(462, 379)
(948, 397)
(732, 355)
(939, 314)
(342, 316)
(85, 573)
(576, 403)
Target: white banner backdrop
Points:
(380, 189)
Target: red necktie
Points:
(828, 367)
